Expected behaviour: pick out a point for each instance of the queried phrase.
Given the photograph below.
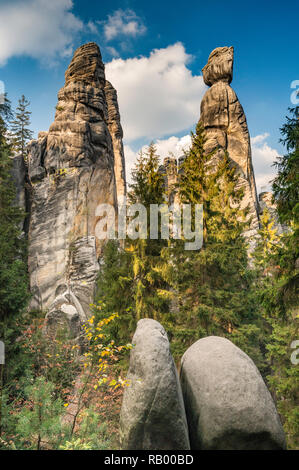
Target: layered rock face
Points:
(72, 170)
(153, 414)
(228, 405)
(169, 170)
(266, 203)
(226, 128)
(19, 176)
(116, 133)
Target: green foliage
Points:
(115, 291)
(39, 388)
(277, 292)
(13, 270)
(148, 287)
(5, 115)
(284, 376)
(102, 351)
(39, 421)
(147, 181)
(30, 353)
(130, 282)
(213, 285)
(286, 184)
(277, 285)
(92, 434)
(20, 128)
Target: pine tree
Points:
(20, 128)
(39, 424)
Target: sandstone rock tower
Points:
(72, 169)
(117, 136)
(226, 128)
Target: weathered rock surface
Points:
(153, 414)
(226, 128)
(169, 170)
(219, 66)
(19, 176)
(266, 203)
(72, 170)
(227, 403)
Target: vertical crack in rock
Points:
(72, 171)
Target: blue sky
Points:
(154, 52)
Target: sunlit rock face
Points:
(116, 132)
(72, 171)
(226, 128)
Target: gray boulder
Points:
(227, 403)
(153, 415)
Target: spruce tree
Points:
(13, 272)
(130, 282)
(286, 184)
(20, 128)
(277, 287)
(151, 296)
(115, 291)
(213, 285)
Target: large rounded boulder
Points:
(153, 414)
(227, 403)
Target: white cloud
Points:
(123, 23)
(173, 146)
(130, 158)
(41, 29)
(158, 95)
(263, 156)
(92, 27)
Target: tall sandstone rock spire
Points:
(226, 128)
(72, 169)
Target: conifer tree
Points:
(130, 282)
(115, 291)
(286, 184)
(213, 284)
(151, 296)
(20, 128)
(277, 286)
(13, 272)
